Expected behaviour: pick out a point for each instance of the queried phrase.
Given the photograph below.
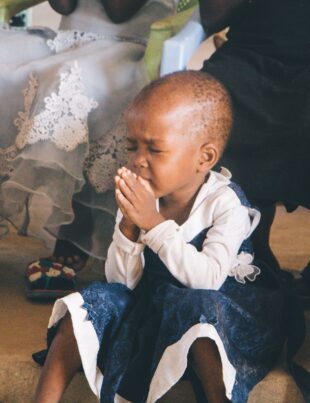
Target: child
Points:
(182, 288)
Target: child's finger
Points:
(127, 172)
(117, 198)
(123, 170)
(117, 193)
(119, 203)
(130, 180)
(120, 171)
(146, 185)
(116, 180)
(123, 203)
(127, 190)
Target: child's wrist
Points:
(154, 222)
(130, 230)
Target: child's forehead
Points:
(161, 112)
(156, 127)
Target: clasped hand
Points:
(136, 201)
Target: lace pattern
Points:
(244, 269)
(106, 155)
(6, 157)
(67, 39)
(64, 119)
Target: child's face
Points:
(161, 152)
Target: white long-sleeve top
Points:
(217, 207)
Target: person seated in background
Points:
(265, 67)
(62, 134)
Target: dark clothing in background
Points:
(265, 65)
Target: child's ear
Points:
(209, 155)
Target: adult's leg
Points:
(70, 255)
(62, 363)
(65, 251)
(207, 364)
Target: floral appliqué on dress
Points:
(244, 269)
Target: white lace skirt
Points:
(62, 134)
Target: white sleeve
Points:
(124, 262)
(209, 268)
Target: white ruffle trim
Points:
(85, 335)
(173, 363)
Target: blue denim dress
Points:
(135, 327)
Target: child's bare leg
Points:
(62, 362)
(261, 236)
(207, 363)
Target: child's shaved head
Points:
(204, 103)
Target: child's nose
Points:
(139, 160)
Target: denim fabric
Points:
(240, 194)
(246, 245)
(105, 305)
(135, 327)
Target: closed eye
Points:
(155, 150)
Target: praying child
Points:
(183, 293)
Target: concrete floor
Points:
(23, 322)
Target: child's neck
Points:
(174, 207)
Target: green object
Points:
(162, 30)
(186, 4)
(8, 8)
